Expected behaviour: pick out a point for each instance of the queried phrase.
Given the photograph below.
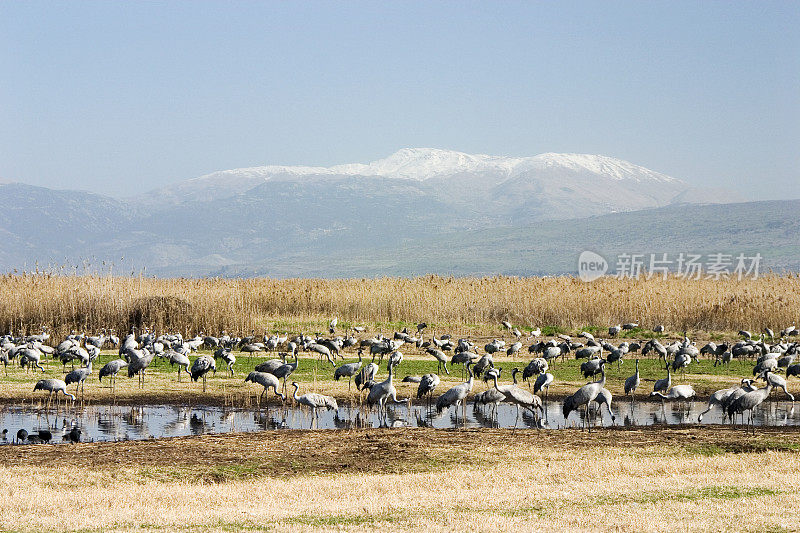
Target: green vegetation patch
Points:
(690, 495)
(339, 520)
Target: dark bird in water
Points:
(74, 435)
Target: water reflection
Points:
(113, 423)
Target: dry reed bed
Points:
(699, 479)
(88, 303)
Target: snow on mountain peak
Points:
(423, 163)
(600, 164)
(420, 164)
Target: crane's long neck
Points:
(514, 375)
(494, 377)
(294, 395)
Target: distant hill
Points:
(550, 248)
(419, 210)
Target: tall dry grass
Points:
(89, 303)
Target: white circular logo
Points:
(591, 266)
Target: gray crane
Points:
(271, 365)
(111, 369)
(491, 397)
(719, 397)
(777, 382)
(536, 367)
(226, 355)
(427, 385)
(53, 386)
(682, 360)
(663, 384)
(394, 359)
(97, 341)
(456, 395)
(514, 348)
(592, 367)
(584, 395)
(747, 385)
(543, 381)
(322, 350)
(521, 398)
(366, 377)
(604, 397)
(632, 383)
(682, 393)
(30, 357)
(138, 362)
(286, 370)
(380, 393)
(268, 381)
(748, 402)
(79, 376)
(441, 359)
(349, 370)
(201, 367)
(483, 364)
(315, 401)
(678, 392)
(181, 360)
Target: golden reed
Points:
(89, 303)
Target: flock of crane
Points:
(137, 351)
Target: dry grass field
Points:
(708, 478)
(703, 479)
(454, 305)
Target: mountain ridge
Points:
(240, 220)
(419, 164)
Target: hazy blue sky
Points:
(120, 97)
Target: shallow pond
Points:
(112, 422)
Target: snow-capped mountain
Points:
(423, 164)
(240, 219)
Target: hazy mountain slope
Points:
(401, 212)
(277, 217)
(769, 228)
(45, 225)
